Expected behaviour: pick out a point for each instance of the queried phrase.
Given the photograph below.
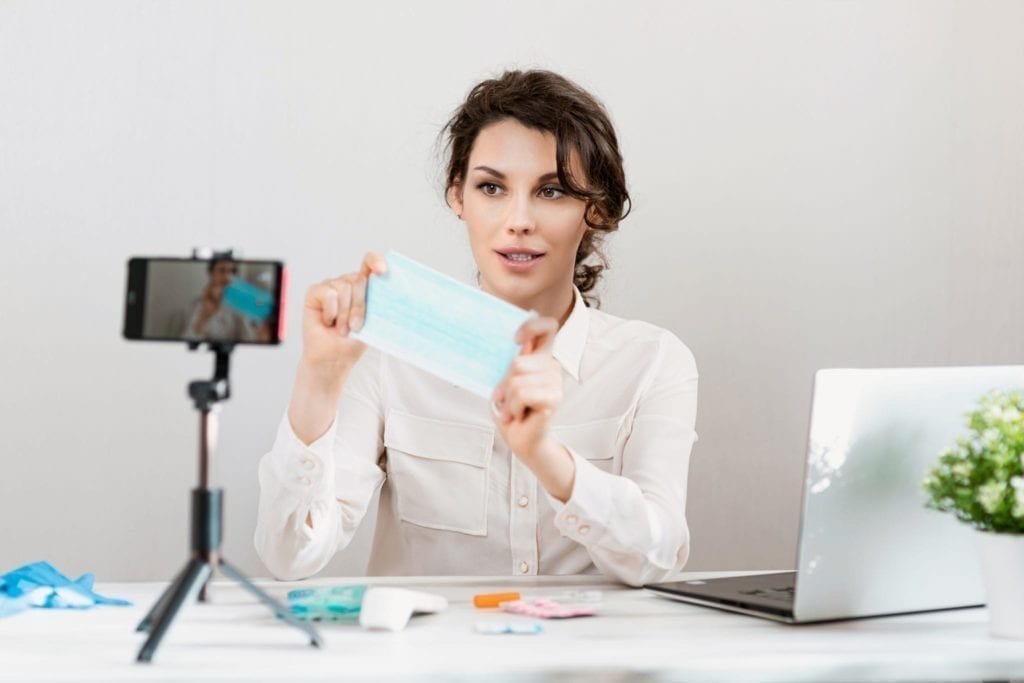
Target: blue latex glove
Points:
(40, 585)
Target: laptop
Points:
(867, 544)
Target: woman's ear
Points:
(455, 198)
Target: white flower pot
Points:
(1002, 566)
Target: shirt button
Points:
(584, 530)
(524, 568)
(306, 481)
(307, 463)
(523, 501)
(572, 519)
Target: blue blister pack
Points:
(336, 603)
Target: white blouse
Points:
(455, 500)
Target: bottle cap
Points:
(493, 599)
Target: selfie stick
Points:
(207, 521)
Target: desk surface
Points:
(636, 634)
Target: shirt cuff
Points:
(584, 517)
(305, 471)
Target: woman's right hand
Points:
(332, 309)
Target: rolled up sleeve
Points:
(633, 524)
(330, 481)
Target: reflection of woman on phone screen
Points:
(210, 318)
(578, 465)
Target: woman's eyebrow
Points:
(488, 169)
(553, 175)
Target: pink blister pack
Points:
(546, 609)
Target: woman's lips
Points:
(519, 261)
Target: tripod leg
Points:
(196, 572)
(162, 601)
(202, 591)
(279, 610)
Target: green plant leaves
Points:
(980, 479)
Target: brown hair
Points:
(545, 101)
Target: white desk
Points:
(636, 635)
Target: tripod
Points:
(207, 518)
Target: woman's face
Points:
(523, 228)
(222, 272)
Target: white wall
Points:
(816, 184)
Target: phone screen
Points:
(213, 300)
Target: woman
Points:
(210, 319)
(579, 463)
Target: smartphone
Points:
(205, 300)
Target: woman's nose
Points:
(520, 220)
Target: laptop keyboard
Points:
(773, 593)
(781, 594)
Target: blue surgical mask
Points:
(445, 327)
(248, 299)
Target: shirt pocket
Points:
(600, 442)
(439, 471)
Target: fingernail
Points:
(357, 323)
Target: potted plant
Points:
(980, 479)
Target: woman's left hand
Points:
(531, 391)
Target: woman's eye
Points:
(489, 189)
(551, 192)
